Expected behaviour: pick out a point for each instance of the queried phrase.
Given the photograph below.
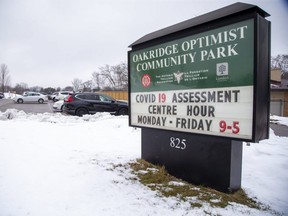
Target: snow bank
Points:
(14, 114)
(52, 164)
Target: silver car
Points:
(58, 106)
(30, 97)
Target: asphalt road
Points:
(26, 107)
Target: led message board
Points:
(201, 83)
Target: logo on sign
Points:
(222, 69)
(178, 76)
(146, 80)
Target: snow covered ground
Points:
(56, 165)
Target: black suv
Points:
(90, 103)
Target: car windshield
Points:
(106, 98)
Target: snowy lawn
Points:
(56, 165)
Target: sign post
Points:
(198, 89)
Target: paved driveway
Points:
(26, 107)
(279, 130)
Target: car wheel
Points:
(20, 100)
(123, 111)
(54, 99)
(40, 101)
(81, 111)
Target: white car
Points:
(30, 97)
(59, 95)
(58, 106)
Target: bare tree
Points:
(20, 88)
(49, 90)
(121, 75)
(280, 61)
(4, 77)
(36, 88)
(107, 73)
(76, 84)
(68, 88)
(87, 86)
(112, 77)
(97, 81)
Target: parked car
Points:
(1, 95)
(53, 96)
(56, 96)
(90, 103)
(30, 97)
(58, 106)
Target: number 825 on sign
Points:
(178, 143)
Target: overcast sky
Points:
(48, 43)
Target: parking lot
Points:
(280, 130)
(26, 107)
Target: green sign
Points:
(222, 57)
(202, 83)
